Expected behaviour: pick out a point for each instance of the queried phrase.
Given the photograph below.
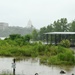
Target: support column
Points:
(59, 37)
(66, 36)
(74, 40)
(47, 38)
(51, 39)
(55, 39)
(14, 66)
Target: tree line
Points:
(61, 25)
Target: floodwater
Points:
(31, 66)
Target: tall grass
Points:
(47, 53)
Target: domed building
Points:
(29, 24)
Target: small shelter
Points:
(56, 37)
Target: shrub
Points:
(53, 60)
(53, 50)
(61, 49)
(66, 57)
(40, 48)
(65, 43)
(43, 60)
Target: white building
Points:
(2, 38)
(3, 25)
(29, 24)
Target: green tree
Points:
(64, 25)
(34, 35)
(57, 26)
(27, 38)
(41, 32)
(14, 36)
(72, 26)
(60, 25)
(49, 28)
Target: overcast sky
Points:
(40, 12)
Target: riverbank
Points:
(48, 54)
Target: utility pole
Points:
(13, 66)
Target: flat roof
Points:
(60, 33)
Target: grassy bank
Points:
(48, 54)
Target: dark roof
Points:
(60, 33)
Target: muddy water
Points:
(31, 66)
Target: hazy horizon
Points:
(40, 12)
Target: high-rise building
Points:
(3, 25)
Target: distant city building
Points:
(3, 25)
(2, 38)
(29, 24)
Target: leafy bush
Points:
(65, 43)
(53, 60)
(48, 53)
(67, 57)
(40, 48)
(43, 59)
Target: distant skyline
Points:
(40, 12)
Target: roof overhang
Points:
(60, 33)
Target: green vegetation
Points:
(60, 25)
(58, 55)
(19, 46)
(65, 43)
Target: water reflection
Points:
(30, 66)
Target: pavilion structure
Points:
(56, 37)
